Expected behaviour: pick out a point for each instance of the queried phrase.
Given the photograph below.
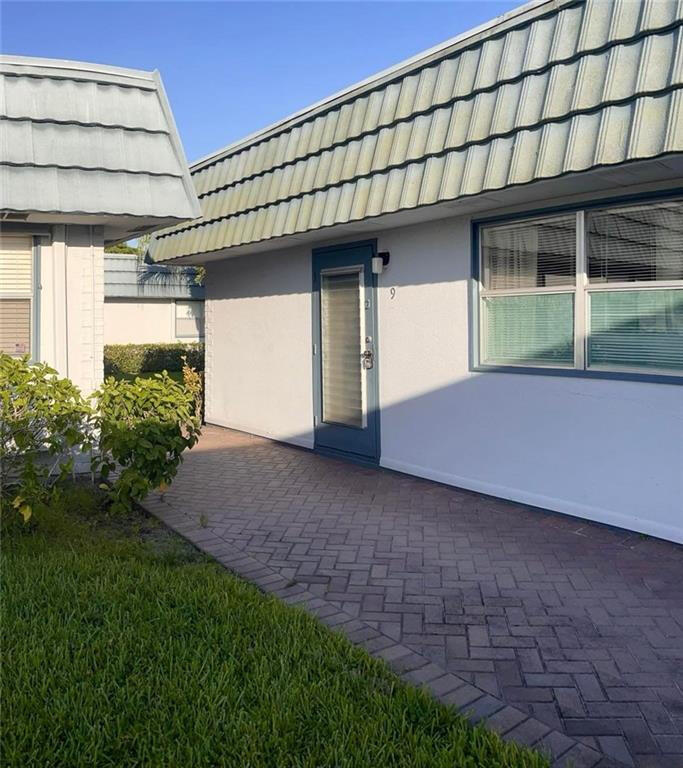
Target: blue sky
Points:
(231, 68)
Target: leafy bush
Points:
(134, 432)
(44, 423)
(145, 425)
(151, 358)
(193, 381)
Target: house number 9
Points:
(392, 292)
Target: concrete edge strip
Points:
(477, 706)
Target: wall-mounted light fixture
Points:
(380, 262)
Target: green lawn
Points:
(123, 646)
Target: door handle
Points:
(367, 359)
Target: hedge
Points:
(150, 358)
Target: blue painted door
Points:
(345, 352)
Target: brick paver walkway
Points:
(565, 634)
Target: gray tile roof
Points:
(556, 87)
(89, 139)
(125, 276)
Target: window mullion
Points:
(580, 300)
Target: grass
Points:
(123, 646)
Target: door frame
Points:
(316, 358)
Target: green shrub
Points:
(193, 381)
(44, 424)
(151, 358)
(144, 427)
(134, 431)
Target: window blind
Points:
(636, 243)
(528, 329)
(342, 395)
(16, 293)
(537, 309)
(15, 327)
(637, 329)
(533, 254)
(16, 265)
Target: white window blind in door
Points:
(16, 293)
(342, 392)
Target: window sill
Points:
(651, 378)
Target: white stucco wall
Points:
(258, 338)
(130, 321)
(605, 450)
(71, 298)
(142, 321)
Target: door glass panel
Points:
(342, 389)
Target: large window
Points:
(16, 294)
(600, 289)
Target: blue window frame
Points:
(592, 291)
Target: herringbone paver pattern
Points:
(550, 627)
